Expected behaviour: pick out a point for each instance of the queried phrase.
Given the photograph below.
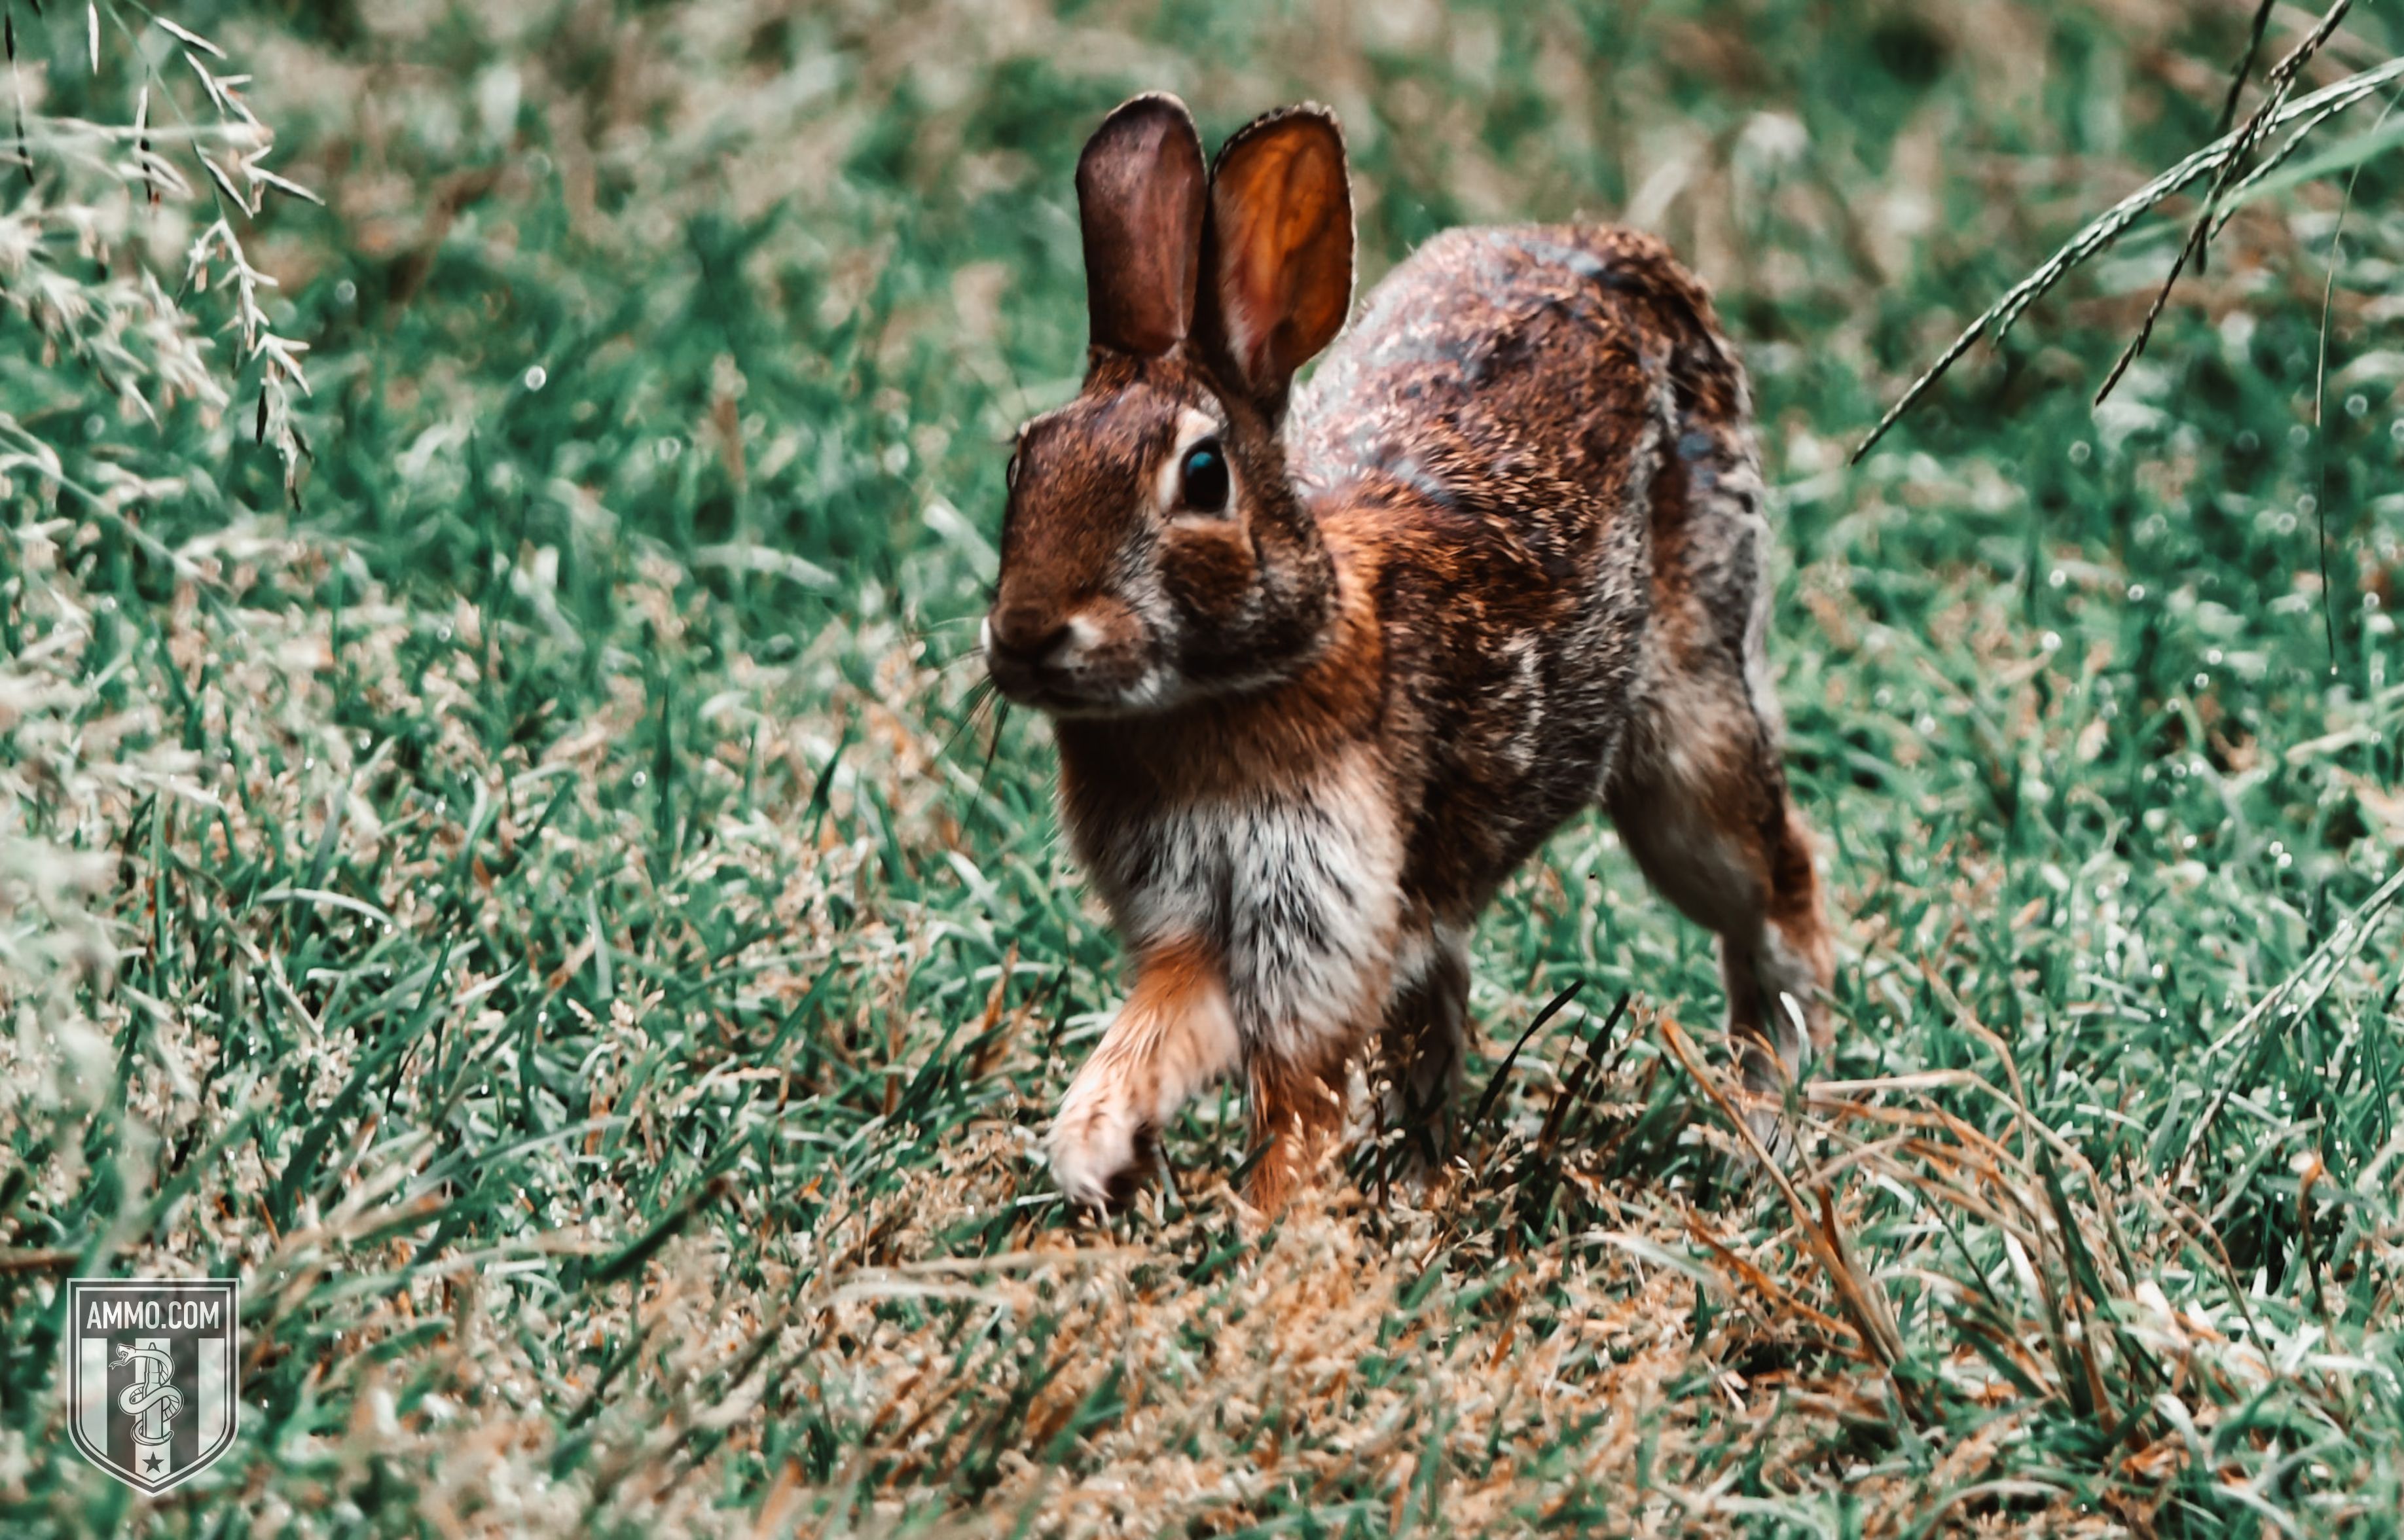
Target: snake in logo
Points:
(152, 1401)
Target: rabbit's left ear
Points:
(1277, 259)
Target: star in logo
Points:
(152, 1461)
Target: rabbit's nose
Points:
(1024, 633)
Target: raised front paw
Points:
(1096, 1143)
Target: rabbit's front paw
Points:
(1097, 1139)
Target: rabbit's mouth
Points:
(1080, 695)
(1077, 669)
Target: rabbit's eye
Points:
(1205, 478)
(1010, 473)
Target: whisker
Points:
(981, 695)
(1001, 720)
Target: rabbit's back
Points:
(1491, 433)
(1517, 371)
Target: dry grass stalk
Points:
(2215, 160)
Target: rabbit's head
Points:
(1153, 551)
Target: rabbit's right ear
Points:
(1280, 248)
(1141, 188)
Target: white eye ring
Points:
(1169, 487)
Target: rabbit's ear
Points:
(1140, 194)
(1280, 253)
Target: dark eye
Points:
(1204, 477)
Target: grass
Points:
(539, 902)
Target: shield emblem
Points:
(150, 1374)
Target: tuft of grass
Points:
(542, 898)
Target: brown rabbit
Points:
(1326, 666)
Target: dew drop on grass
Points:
(2055, 579)
(346, 293)
(642, 779)
(2052, 641)
(2081, 451)
(2299, 435)
(2136, 593)
(536, 377)
(2357, 404)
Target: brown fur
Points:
(1502, 558)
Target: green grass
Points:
(541, 904)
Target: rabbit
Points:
(1326, 665)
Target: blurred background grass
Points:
(525, 886)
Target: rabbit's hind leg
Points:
(1700, 796)
(1699, 784)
